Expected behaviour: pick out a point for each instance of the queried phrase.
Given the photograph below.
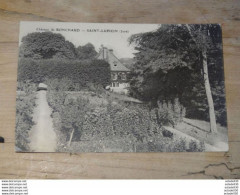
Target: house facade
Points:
(119, 73)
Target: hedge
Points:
(79, 72)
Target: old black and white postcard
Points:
(91, 87)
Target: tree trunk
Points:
(70, 139)
(209, 94)
(207, 85)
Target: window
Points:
(115, 84)
(119, 76)
(114, 76)
(124, 76)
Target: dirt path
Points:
(42, 135)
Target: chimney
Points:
(111, 50)
(104, 51)
(105, 54)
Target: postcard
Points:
(101, 87)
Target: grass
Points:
(201, 131)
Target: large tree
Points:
(46, 45)
(176, 60)
(86, 51)
(201, 35)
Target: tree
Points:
(163, 63)
(171, 63)
(46, 45)
(201, 37)
(86, 52)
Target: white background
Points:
(123, 187)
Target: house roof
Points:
(115, 64)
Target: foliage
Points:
(120, 126)
(56, 100)
(181, 145)
(26, 86)
(95, 88)
(64, 84)
(86, 52)
(169, 65)
(196, 147)
(167, 133)
(78, 73)
(46, 45)
(169, 113)
(73, 117)
(24, 111)
(49, 45)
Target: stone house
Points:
(119, 73)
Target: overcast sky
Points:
(116, 40)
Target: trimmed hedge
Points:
(79, 72)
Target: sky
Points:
(113, 36)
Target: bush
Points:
(178, 145)
(77, 72)
(196, 147)
(26, 86)
(169, 113)
(167, 133)
(181, 145)
(111, 124)
(24, 120)
(101, 122)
